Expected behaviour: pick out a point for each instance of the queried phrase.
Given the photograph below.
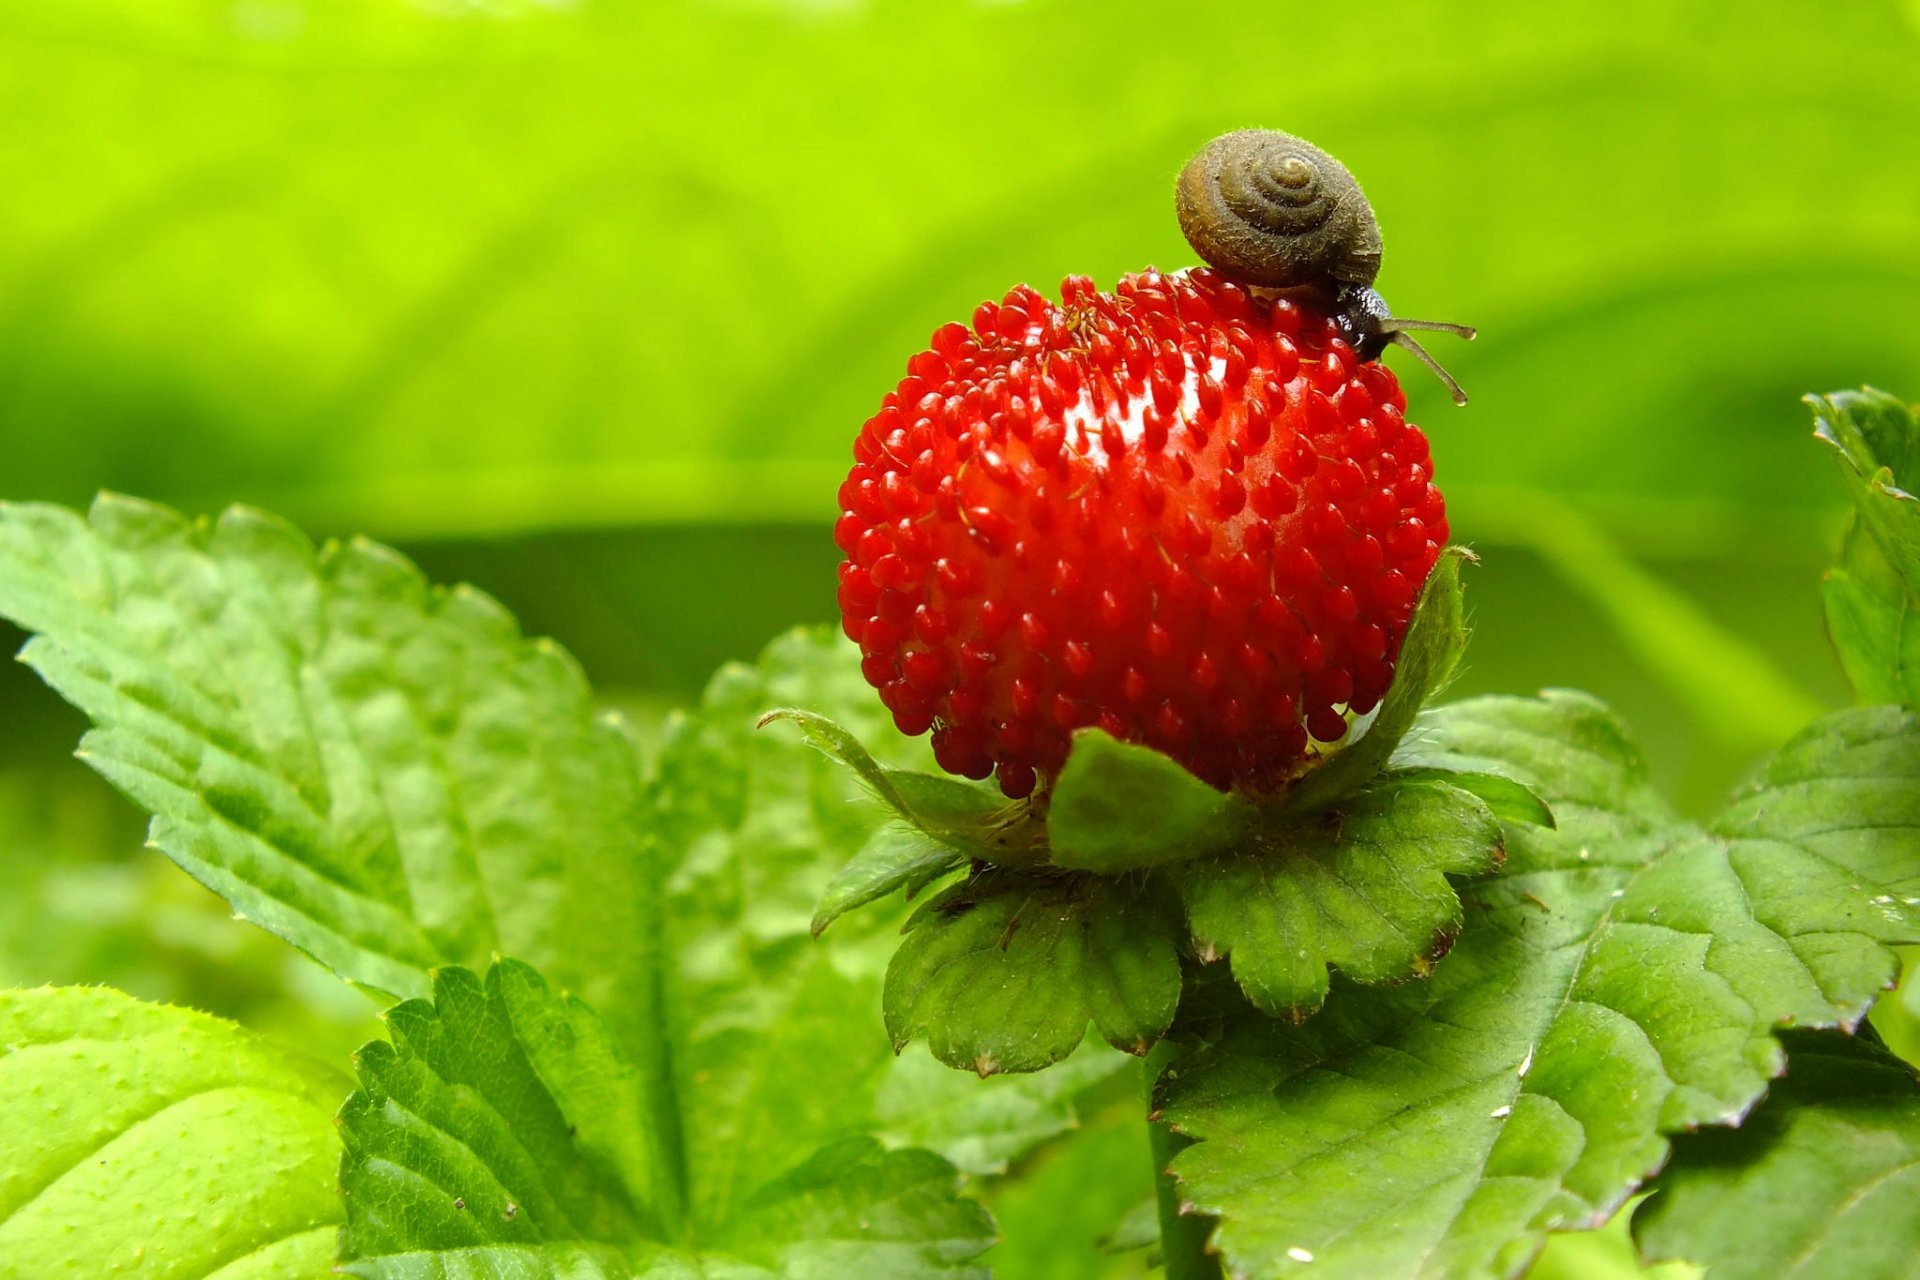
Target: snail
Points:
(1269, 210)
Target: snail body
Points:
(1273, 211)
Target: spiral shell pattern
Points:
(1267, 208)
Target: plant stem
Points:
(1183, 1236)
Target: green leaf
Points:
(973, 821)
(1621, 981)
(1429, 655)
(1003, 971)
(1829, 819)
(501, 1133)
(144, 1137)
(1873, 593)
(1867, 612)
(1822, 1182)
(384, 773)
(499, 1114)
(897, 856)
(753, 826)
(749, 828)
(1121, 807)
(1362, 886)
(389, 776)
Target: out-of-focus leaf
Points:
(1822, 1182)
(1071, 1210)
(140, 1133)
(984, 1130)
(1733, 695)
(1873, 593)
(84, 904)
(469, 271)
(1620, 981)
(1606, 1254)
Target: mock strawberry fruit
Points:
(1185, 512)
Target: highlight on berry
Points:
(1188, 512)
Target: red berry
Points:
(1182, 512)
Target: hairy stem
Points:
(1183, 1236)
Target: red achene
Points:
(1183, 512)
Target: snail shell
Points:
(1266, 208)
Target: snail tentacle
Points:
(1400, 324)
(1400, 339)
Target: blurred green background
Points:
(584, 301)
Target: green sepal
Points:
(976, 822)
(898, 856)
(1362, 887)
(1003, 971)
(1348, 870)
(1120, 807)
(1429, 655)
(837, 743)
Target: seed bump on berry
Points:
(1184, 512)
